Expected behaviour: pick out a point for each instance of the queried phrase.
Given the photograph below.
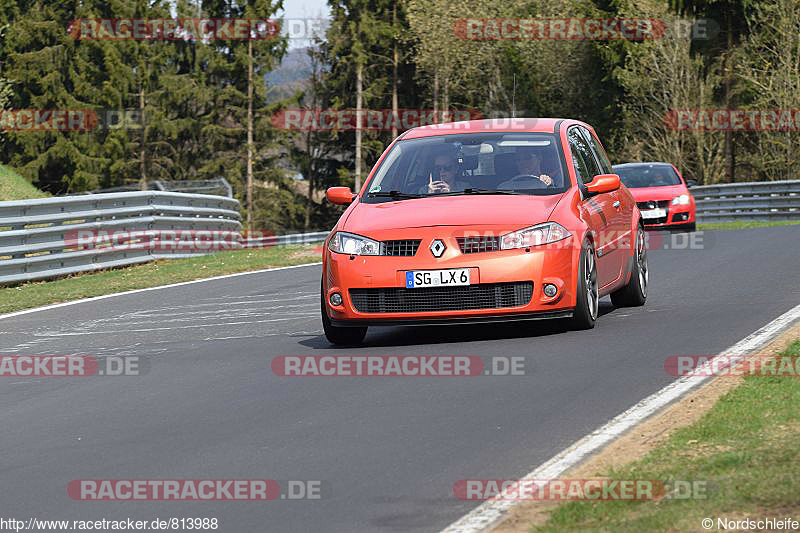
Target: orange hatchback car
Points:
(507, 219)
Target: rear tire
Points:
(587, 302)
(338, 335)
(634, 294)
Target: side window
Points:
(585, 166)
(599, 152)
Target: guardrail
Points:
(767, 200)
(211, 186)
(37, 236)
(277, 240)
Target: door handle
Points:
(616, 204)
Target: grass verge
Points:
(746, 224)
(15, 187)
(161, 272)
(747, 447)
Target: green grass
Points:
(15, 187)
(747, 446)
(161, 272)
(746, 224)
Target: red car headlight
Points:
(348, 243)
(534, 236)
(683, 199)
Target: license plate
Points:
(654, 213)
(437, 278)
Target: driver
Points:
(529, 163)
(446, 170)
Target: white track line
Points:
(491, 512)
(94, 299)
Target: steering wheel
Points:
(530, 177)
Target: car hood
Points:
(667, 192)
(474, 210)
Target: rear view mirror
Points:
(339, 195)
(603, 183)
(691, 183)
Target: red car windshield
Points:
(494, 163)
(639, 176)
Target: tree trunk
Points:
(310, 199)
(359, 82)
(729, 152)
(436, 95)
(143, 184)
(446, 102)
(395, 105)
(395, 61)
(249, 135)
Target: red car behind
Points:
(661, 194)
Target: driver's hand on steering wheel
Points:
(547, 180)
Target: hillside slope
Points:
(15, 187)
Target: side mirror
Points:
(691, 183)
(603, 183)
(339, 195)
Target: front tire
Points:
(634, 294)
(587, 303)
(338, 335)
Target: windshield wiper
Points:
(394, 194)
(471, 190)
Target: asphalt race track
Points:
(390, 448)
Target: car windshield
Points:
(494, 163)
(638, 176)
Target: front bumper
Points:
(678, 216)
(425, 321)
(556, 264)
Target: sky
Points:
(305, 8)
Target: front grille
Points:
(468, 297)
(664, 204)
(406, 247)
(474, 245)
(646, 205)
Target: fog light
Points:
(336, 299)
(550, 290)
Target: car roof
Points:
(641, 164)
(530, 125)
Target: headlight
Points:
(534, 236)
(683, 199)
(347, 243)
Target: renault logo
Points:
(438, 248)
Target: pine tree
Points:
(237, 126)
(48, 69)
